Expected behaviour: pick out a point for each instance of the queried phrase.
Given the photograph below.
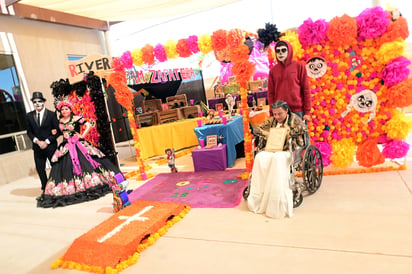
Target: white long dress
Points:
(270, 192)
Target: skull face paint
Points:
(38, 104)
(316, 67)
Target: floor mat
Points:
(211, 189)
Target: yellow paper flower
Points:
(399, 126)
(170, 49)
(137, 57)
(205, 43)
(343, 152)
(391, 50)
(293, 38)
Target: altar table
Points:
(232, 134)
(155, 139)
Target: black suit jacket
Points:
(44, 131)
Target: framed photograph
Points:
(238, 104)
(219, 106)
(211, 140)
(276, 139)
(261, 101)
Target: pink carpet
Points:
(208, 189)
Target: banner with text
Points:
(77, 70)
(135, 77)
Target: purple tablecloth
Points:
(205, 159)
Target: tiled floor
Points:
(359, 223)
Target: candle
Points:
(200, 114)
(199, 122)
(192, 101)
(202, 142)
(220, 113)
(224, 120)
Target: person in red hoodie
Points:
(288, 81)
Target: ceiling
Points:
(113, 11)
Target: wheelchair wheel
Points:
(312, 169)
(246, 192)
(297, 199)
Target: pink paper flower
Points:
(395, 149)
(192, 42)
(160, 53)
(396, 71)
(372, 23)
(127, 60)
(326, 151)
(312, 33)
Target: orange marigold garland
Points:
(244, 70)
(125, 98)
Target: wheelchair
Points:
(306, 171)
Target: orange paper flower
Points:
(147, 54)
(182, 48)
(243, 71)
(234, 38)
(342, 30)
(219, 40)
(401, 94)
(368, 154)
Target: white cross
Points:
(129, 219)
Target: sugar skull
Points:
(316, 67)
(364, 101)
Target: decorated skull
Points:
(316, 67)
(364, 101)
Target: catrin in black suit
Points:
(48, 130)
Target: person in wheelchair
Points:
(270, 192)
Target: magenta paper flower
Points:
(192, 42)
(127, 60)
(396, 71)
(312, 33)
(372, 23)
(395, 149)
(326, 151)
(117, 64)
(160, 53)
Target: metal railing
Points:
(16, 136)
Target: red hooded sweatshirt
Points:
(289, 82)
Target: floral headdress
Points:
(64, 103)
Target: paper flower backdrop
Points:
(363, 54)
(365, 60)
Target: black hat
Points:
(37, 95)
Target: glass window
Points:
(12, 110)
